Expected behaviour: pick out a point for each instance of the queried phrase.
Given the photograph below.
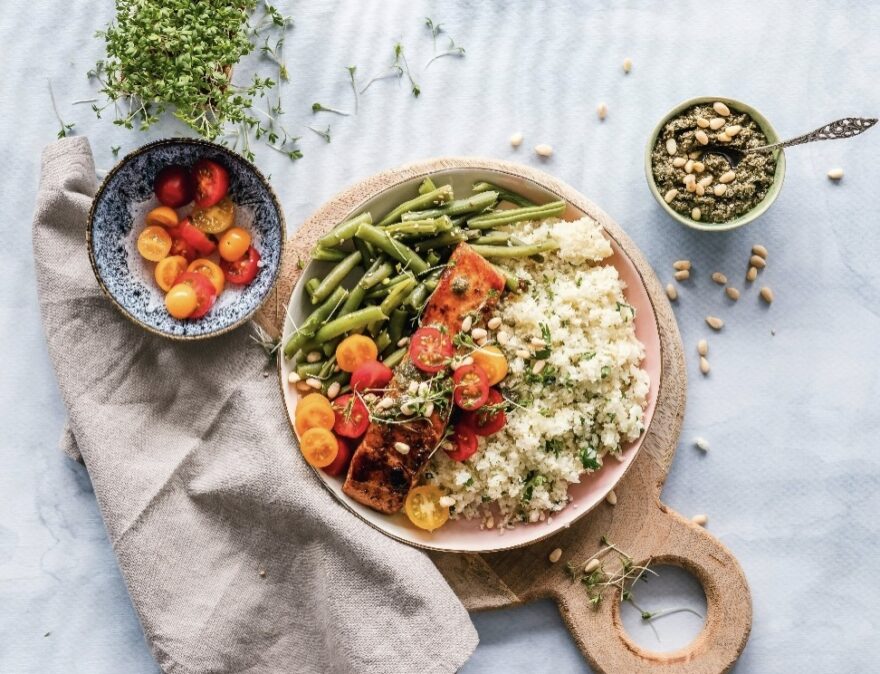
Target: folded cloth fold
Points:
(235, 557)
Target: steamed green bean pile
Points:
(385, 271)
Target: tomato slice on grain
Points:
(490, 418)
(470, 387)
(211, 182)
(371, 375)
(430, 350)
(206, 293)
(343, 458)
(465, 441)
(173, 186)
(196, 238)
(352, 416)
(243, 271)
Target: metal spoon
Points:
(842, 128)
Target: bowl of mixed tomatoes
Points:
(186, 237)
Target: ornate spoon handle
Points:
(842, 128)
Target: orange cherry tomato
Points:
(168, 269)
(316, 414)
(154, 243)
(181, 300)
(492, 361)
(319, 447)
(355, 350)
(234, 244)
(210, 270)
(162, 217)
(214, 219)
(423, 507)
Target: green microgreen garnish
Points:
(65, 128)
(435, 29)
(452, 50)
(319, 107)
(351, 77)
(325, 134)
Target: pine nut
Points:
(407, 409)
(727, 177)
(627, 65)
(702, 137)
(538, 366)
(835, 173)
(467, 323)
(313, 383)
(333, 390)
(682, 275)
(696, 213)
(694, 155)
(313, 356)
(429, 409)
(555, 556)
(691, 186)
(293, 377)
(413, 388)
(591, 566)
(733, 130)
(403, 341)
(502, 337)
(479, 333)
(671, 146)
(523, 353)
(446, 501)
(723, 138)
(602, 110)
(678, 265)
(611, 498)
(423, 389)
(303, 387)
(752, 274)
(732, 293)
(703, 347)
(671, 292)
(767, 295)
(689, 166)
(537, 342)
(544, 150)
(678, 162)
(758, 249)
(719, 278)
(716, 123)
(402, 447)
(702, 520)
(699, 167)
(705, 182)
(494, 323)
(689, 179)
(719, 190)
(700, 190)
(386, 403)
(714, 322)
(704, 365)
(516, 139)
(757, 261)
(721, 108)
(702, 122)
(670, 195)
(701, 443)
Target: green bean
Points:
(383, 340)
(511, 281)
(310, 326)
(427, 200)
(340, 378)
(376, 274)
(396, 324)
(329, 365)
(329, 348)
(417, 297)
(368, 253)
(427, 186)
(433, 279)
(494, 239)
(396, 296)
(335, 277)
(449, 238)
(327, 254)
(490, 220)
(424, 227)
(312, 284)
(503, 194)
(395, 357)
(475, 203)
(516, 251)
(353, 321)
(399, 251)
(309, 369)
(344, 231)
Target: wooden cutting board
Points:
(639, 524)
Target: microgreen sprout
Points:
(452, 50)
(400, 60)
(351, 75)
(325, 134)
(274, 54)
(393, 71)
(115, 150)
(435, 29)
(266, 342)
(64, 129)
(319, 107)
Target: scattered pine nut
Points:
(751, 274)
(701, 520)
(705, 181)
(700, 190)
(313, 383)
(732, 130)
(679, 265)
(671, 293)
(516, 139)
(627, 65)
(293, 378)
(502, 338)
(719, 278)
(757, 261)
(467, 324)
(494, 323)
(591, 566)
(402, 447)
(678, 162)
(446, 501)
(701, 136)
(721, 109)
(671, 146)
(333, 390)
(703, 347)
(723, 137)
(716, 123)
(670, 195)
(732, 293)
(704, 365)
(544, 150)
(696, 213)
(714, 322)
(719, 190)
(689, 166)
(701, 443)
(695, 154)
(727, 177)
(682, 275)
(555, 556)
(699, 167)
(767, 295)
(313, 356)
(758, 249)
(835, 173)
(602, 111)
(703, 123)
(303, 387)
(611, 498)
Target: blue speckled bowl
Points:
(117, 216)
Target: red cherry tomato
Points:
(340, 463)
(196, 238)
(430, 350)
(352, 416)
(369, 375)
(490, 418)
(465, 441)
(206, 293)
(212, 182)
(182, 248)
(173, 186)
(242, 271)
(470, 387)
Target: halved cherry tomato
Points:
(234, 243)
(340, 463)
(465, 441)
(212, 182)
(492, 361)
(181, 300)
(169, 269)
(206, 294)
(163, 216)
(370, 375)
(352, 416)
(430, 350)
(355, 350)
(242, 271)
(423, 507)
(173, 186)
(215, 219)
(314, 411)
(181, 247)
(470, 387)
(490, 418)
(154, 243)
(319, 447)
(209, 270)
(196, 238)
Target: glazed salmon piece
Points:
(379, 475)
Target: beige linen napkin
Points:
(235, 557)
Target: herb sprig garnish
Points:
(65, 128)
(325, 133)
(452, 50)
(319, 107)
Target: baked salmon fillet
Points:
(381, 475)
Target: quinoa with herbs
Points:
(694, 183)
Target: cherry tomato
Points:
(234, 243)
(168, 270)
(196, 238)
(211, 182)
(352, 416)
(173, 186)
(243, 271)
(355, 350)
(423, 507)
(314, 411)
(470, 387)
(492, 361)
(206, 294)
(371, 375)
(319, 447)
(162, 217)
(465, 441)
(182, 248)
(490, 418)
(215, 219)
(181, 301)
(154, 243)
(430, 350)
(340, 463)
(209, 270)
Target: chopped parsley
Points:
(533, 479)
(590, 458)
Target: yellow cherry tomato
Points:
(314, 413)
(234, 244)
(423, 507)
(319, 447)
(215, 219)
(162, 217)
(154, 243)
(181, 300)
(211, 270)
(168, 269)
(355, 350)
(492, 361)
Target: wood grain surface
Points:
(639, 524)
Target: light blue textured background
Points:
(792, 480)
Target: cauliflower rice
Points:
(586, 402)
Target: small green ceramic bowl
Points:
(763, 205)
